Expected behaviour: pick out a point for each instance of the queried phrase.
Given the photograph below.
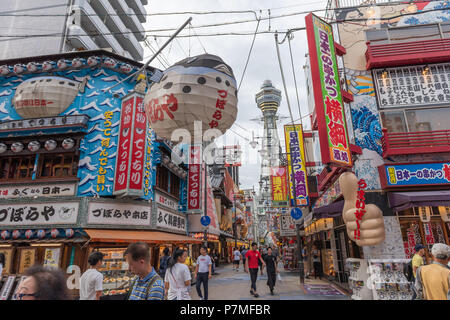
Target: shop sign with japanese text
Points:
(138, 148)
(413, 85)
(166, 201)
(287, 226)
(194, 178)
(415, 174)
(53, 190)
(298, 183)
(279, 186)
(334, 142)
(119, 214)
(38, 214)
(170, 220)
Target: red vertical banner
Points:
(138, 147)
(124, 147)
(194, 178)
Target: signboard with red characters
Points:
(361, 206)
(329, 107)
(194, 179)
(131, 148)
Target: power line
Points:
(249, 53)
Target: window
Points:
(416, 120)
(174, 185)
(162, 178)
(58, 165)
(17, 168)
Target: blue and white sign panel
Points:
(418, 174)
(205, 221)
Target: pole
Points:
(155, 55)
(205, 238)
(235, 224)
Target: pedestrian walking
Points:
(236, 259)
(91, 282)
(271, 265)
(42, 283)
(316, 262)
(244, 252)
(251, 267)
(433, 280)
(260, 265)
(147, 284)
(416, 262)
(203, 272)
(163, 262)
(305, 262)
(178, 277)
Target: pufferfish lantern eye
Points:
(201, 80)
(186, 89)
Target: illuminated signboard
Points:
(334, 142)
(399, 175)
(278, 178)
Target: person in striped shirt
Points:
(147, 285)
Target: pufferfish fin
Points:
(223, 68)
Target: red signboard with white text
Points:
(138, 147)
(130, 154)
(194, 179)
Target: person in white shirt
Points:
(2, 264)
(203, 273)
(178, 277)
(236, 259)
(91, 282)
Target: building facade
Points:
(395, 70)
(72, 25)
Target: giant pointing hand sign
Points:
(365, 223)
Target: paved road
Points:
(232, 285)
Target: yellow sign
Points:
(27, 259)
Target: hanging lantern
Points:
(40, 234)
(29, 234)
(69, 233)
(445, 213)
(32, 67)
(34, 146)
(54, 233)
(110, 63)
(45, 96)
(4, 70)
(50, 145)
(17, 147)
(15, 234)
(68, 143)
(18, 68)
(3, 147)
(47, 66)
(200, 88)
(76, 63)
(5, 234)
(93, 61)
(62, 64)
(126, 68)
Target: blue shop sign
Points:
(417, 174)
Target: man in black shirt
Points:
(271, 264)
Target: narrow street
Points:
(232, 285)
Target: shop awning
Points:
(127, 236)
(330, 211)
(404, 200)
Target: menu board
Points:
(27, 259)
(6, 289)
(413, 85)
(8, 259)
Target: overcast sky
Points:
(234, 50)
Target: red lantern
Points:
(54, 233)
(29, 234)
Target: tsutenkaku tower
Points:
(268, 100)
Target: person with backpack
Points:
(178, 277)
(163, 262)
(236, 259)
(416, 262)
(148, 285)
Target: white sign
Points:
(39, 213)
(165, 201)
(169, 220)
(287, 226)
(413, 86)
(40, 191)
(7, 288)
(119, 214)
(51, 257)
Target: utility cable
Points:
(249, 54)
(198, 38)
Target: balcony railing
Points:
(402, 54)
(402, 143)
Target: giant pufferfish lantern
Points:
(371, 227)
(200, 88)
